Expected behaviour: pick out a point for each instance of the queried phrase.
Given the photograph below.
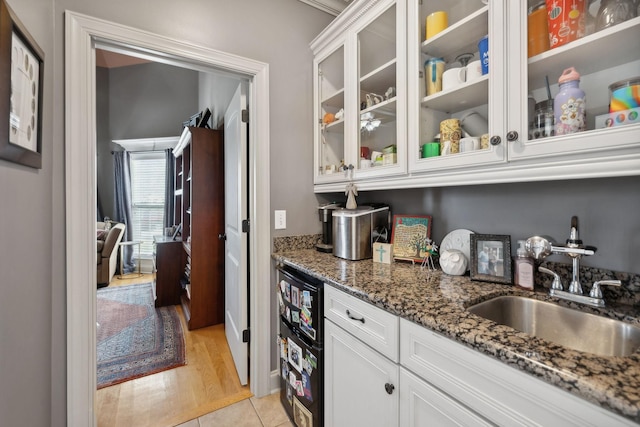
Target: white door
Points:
(235, 264)
(361, 385)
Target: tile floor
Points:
(253, 412)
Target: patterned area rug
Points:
(134, 338)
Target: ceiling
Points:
(334, 7)
(108, 59)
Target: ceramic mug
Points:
(436, 22)
(474, 70)
(453, 77)
(430, 149)
(470, 143)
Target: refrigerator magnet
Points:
(295, 355)
(295, 297)
(295, 316)
(306, 299)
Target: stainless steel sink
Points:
(564, 326)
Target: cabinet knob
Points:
(389, 388)
(222, 236)
(495, 140)
(512, 136)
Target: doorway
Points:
(82, 35)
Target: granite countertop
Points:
(438, 301)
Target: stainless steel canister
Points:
(354, 231)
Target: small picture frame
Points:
(22, 71)
(409, 236)
(491, 258)
(177, 231)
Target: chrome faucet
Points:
(540, 247)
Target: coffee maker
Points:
(325, 212)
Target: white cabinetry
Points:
(424, 405)
(490, 389)
(359, 74)
(601, 58)
(361, 384)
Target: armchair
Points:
(107, 246)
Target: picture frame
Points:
(491, 258)
(408, 237)
(21, 87)
(177, 231)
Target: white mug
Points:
(453, 77)
(469, 144)
(474, 70)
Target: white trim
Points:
(81, 34)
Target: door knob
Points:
(512, 136)
(222, 236)
(495, 140)
(389, 388)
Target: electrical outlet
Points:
(280, 220)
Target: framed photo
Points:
(409, 236)
(21, 77)
(491, 258)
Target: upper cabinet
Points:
(436, 90)
(450, 97)
(360, 95)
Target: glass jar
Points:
(543, 120)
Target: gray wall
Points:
(607, 211)
(32, 216)
(139, 101)
(31, 273)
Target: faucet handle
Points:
(557, 283)
(595, 289)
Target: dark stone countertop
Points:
(438, 302)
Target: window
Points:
(147, 198)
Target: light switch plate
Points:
(280, 220)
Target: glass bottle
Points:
(569, 106)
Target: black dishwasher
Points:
(300, 345)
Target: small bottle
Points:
(524, 269)
(569, 105)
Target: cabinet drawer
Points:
(372, 325)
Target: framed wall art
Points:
(409, 237)
(491, 258)
(21, 78)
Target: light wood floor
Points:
(206, 383)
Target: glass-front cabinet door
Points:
(329, 110)
(456, 90)
(595, 133)
(360, 95)
(380, 121)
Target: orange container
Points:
(566, 20)
(537, 29)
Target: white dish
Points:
(458, 239)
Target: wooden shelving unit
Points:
(200, 203)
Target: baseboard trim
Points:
(274, 381)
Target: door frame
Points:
(82, 33)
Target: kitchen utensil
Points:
(613, 12)
(450, 134)
(483, 49)
(566, 21)
(430, 149)
(474, 70)
(470, 143)
(474, 124)
(624, 95)
(435, 23)
(453, 77)
(537, 29)
(433, 69)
